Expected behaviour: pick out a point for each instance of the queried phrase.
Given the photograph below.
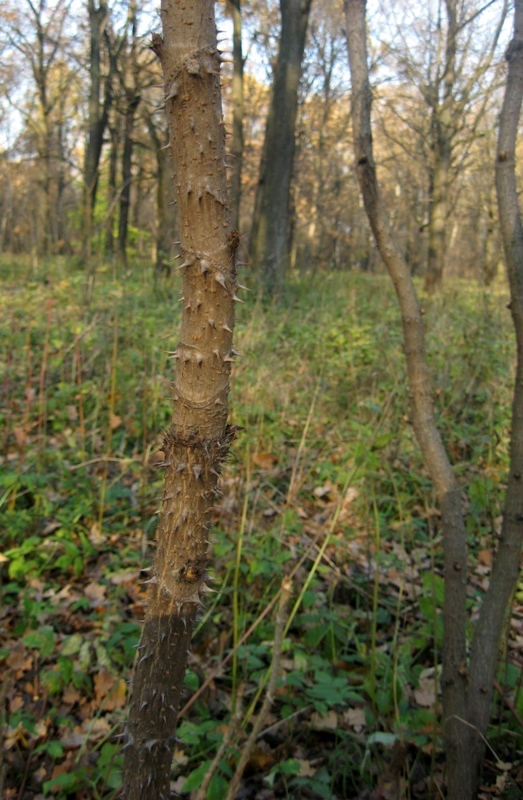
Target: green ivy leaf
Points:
(194, 781)
(42, 640)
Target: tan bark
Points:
(199, 437)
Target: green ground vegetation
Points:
(325, 482)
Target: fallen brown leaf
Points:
(17, 658)
(264, 460)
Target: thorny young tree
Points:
(467, 679)
(199, 437)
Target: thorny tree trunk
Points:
(269, 240)
(199, 437)
(466, 687)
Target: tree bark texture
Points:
(199, 437)
(269, 241)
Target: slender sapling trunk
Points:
(199, 437)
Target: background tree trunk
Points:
(269, 241)
(111, 189)
(97, 118)
(438, 194)
(454, 675)
(199, 437)
(162, 247)
(505, 571)
(466, 685)
(237, 114)
(443, 131)
(125, 193)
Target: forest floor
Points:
(325, 482)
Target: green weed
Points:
(325, 481)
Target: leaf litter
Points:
(356, 710)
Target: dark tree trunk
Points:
(60, 227)
(161, 238)
(97, 119)
(438, 202)
(133, 101)
(199, 437)
(492, 245)
(111, 191)
(269, 241)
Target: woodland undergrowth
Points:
(325, 483)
